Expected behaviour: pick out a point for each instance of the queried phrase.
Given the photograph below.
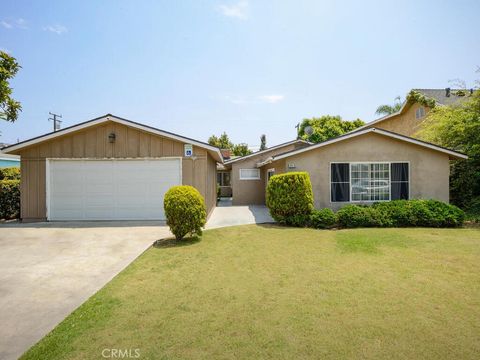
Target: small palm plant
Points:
(390, 109)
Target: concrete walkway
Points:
(225, 215)
(47, 270)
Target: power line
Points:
(56, 122)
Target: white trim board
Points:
(118, 120)
(452, 153)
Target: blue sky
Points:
(246, 67)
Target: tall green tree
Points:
(241, 150)
(458, 127)
(9, 107)
(325, 127)
(390, 109)
(263, 142)
(222, 142)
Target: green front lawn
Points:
(255, 292)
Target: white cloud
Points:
(272, 99)
(14, 23)
(21, 23)
(57, 29)
(6, 24)
(238, 10)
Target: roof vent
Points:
(447, 92)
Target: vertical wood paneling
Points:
(121, 141)
(167, 147)
(93, 143)
(100, 142)
(144, 145)
(133, 144)
(78, 145)
(156, 146)
(90, 143)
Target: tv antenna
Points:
(56, 122)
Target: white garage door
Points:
(110, 189)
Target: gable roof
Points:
(453, 154)
(439, 95)
(227, 162)
(109, 117)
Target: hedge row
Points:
(9, 199)
(290, 201)
(10, 173)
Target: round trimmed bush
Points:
(322, 219)
(290, 198)
(185, 211)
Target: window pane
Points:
(370, 182)
(340, 172)
(249, 174)
(340, 192)
(219, 179)
(399, 171)
(400, 191)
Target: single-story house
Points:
(247, 181)
(360, 167)
(110, 168)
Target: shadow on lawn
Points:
(172, 242)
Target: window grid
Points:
(369, 182)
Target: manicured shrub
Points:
(290, 198)
(10, 173)
(352, 216)
(401, 213)
(9, 199)
(322, 219)
(185, 211)
(298, 220)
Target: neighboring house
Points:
(248, 182)
(7, 160)
(110, 168)
(360, 167)
(407, 121)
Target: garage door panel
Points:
(110, 189)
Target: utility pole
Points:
(56, 122)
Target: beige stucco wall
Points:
(429, 169)
(252, 192)
(198, 171)
(405, 124)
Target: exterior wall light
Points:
(111, 138)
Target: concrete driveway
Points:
(47, 270)
(227, 215)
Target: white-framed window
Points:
(249, 174)
(369, 182)
(270, 173)
(420, 112)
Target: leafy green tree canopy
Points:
(9, 108)
(458, 127)
(326, 127)
(241, 150)
(223, 142)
